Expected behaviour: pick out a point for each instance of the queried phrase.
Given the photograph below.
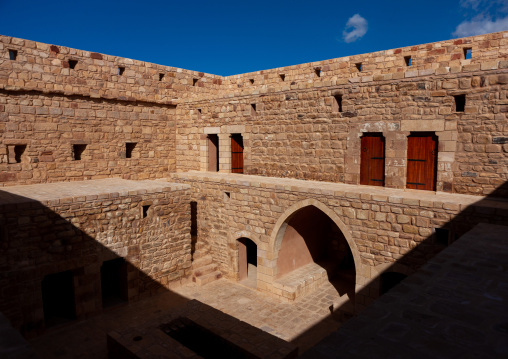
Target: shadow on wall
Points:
(486, 210)
(52, 272)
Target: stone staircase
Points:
(203, 269)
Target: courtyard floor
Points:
(303, 322)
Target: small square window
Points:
(252, 109)
(77, 151)
(15, 153)
(161, 76)
(317, 70)
(460, 103)
(407, 60)
(121, 70)
(467, 53)
(129, 149)
(72, 64)
(227, 196)
(359, 67)
(251, 81)
(13, 54)
(194, 82)
(282, 77)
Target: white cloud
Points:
(482, 16)
(481, 25)
(356, 27)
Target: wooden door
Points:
(422, 161)
(236, 153)
(213, 153)
(372, 161)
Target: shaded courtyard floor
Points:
(304, 322)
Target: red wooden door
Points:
(372, 161)
(236, 153)
(422, 161)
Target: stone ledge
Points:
(424, 199)
(301, 281)
(84, 191)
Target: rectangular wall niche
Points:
(58, 298)
(460, 103)
(15, 153)
(77, 151)
(114, 282)
(13, 54)
(213, 153)
(129, 149)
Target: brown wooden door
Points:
(236, 153)
(213, 153)
(422, 161)
(372, 161)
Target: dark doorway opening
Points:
(58, 298)
(390, 280)
(247, 261)
(114, 282)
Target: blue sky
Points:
(230, 37)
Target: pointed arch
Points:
(280, 227)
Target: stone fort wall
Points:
(384, 227)
(78, 232)
(295, 128)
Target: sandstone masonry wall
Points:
(388, 227)
(302, 134)
(79, 233)
(49, 125)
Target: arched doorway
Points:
(247, 262)
(311, 236)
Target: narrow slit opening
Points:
(337, 106)
(145, 209)
(121, 70)
(13, 54)
(161, 77)
(359, 66)
(407, 60)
